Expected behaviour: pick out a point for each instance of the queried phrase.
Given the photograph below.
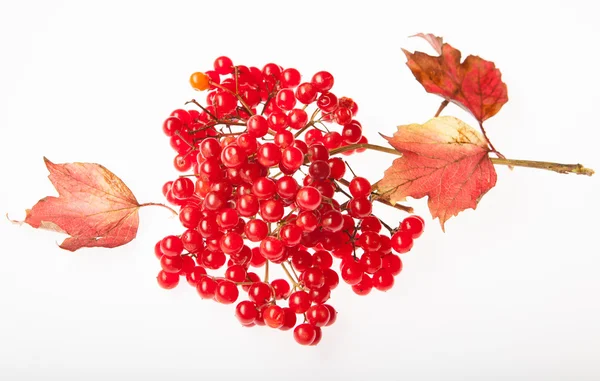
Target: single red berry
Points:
(264, 188)
(290, 235)
(281, 288)
(360, 187)
(277, 120)
(171, 246)
(167, 280)
(369, 241)
(413, 225)
(327, 102)
(332, 279)
(257, 260)
(318, 315)
(256, 230)
(225, 103)
(371, 224)
(371, 261)
(287, 187)
(289, 319)
(322, 81)
(182, 188)
(299, 302)
(194, 276)
(297, 118)
(260, 293)
(383, 280)
(319, 170)
(301, 260)
(322, 259)
(342, 116)
(227, 292)
(213, 260)
(402, 242)
(246, 312)
(363, 287)
(360, 207)
(285, 99)
(206, 287)
(233, 156)
(235, 273)
(305, 334)
(283, 138)
(332, 140)
(308, 198)
(392, 263)
(274, 316)
(272, 248)
(337, 168)
(171, 264)
(313, 136)
(257, 126)
(320, 295)
(307, 221)
(306, 93)
(352, 132)
(313, 278)
(247, 205)
(292, 158)
(290, 78)
(223, 65)
(351, 272)
(268, 154)
(272, 210)
(171, 125)
(332, 221)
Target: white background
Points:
(510, 291)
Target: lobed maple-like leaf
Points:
(475, 84)
(94, 207)
(444, 159)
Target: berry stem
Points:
(159, 204)
(494, 150)
(441, 108)
(372, 147)
(350, 168)
(266, 280)
(238, 96)
(388, 227)
(202, 108)
(311, 123)
(294, 283)
(405, 208)
(577, 169)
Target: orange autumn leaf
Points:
(444, 159)
(94, 207)
(475, 84)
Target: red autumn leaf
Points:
(444, 159)
(475, 84)
(94, 207)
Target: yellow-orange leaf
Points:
(444, 159)
(94, 207)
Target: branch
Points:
(577, 169)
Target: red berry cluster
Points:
(266, 190)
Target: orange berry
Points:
(200, 81)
